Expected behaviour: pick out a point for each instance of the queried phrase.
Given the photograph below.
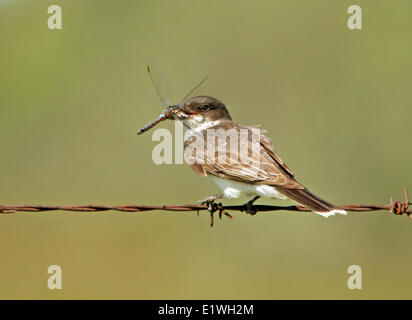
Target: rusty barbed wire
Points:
(395, 207)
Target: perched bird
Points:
(265, 175)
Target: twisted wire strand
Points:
(395, 207)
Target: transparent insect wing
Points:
(191, 91)
(160, 82)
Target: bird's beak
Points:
(182, 112)
(187, 111)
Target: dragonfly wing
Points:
(191, 91)
(160, 82)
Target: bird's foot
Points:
(211, 199)
(248, 206)
(212, 207)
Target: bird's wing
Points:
(260, 166)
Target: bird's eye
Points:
(204, 107)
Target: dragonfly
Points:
(163, 89)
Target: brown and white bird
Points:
(265, 176)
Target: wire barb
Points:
(399, 208)
(395, 207)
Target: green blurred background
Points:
(336, 103)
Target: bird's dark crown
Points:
(208, 107)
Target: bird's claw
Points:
(248, 206)
(212, 207)
(209, 199)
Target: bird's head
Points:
(203, 110)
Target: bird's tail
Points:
(311, 201)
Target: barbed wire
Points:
(394, 207)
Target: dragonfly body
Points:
(162, 86)
(163, 116)
(169, 114)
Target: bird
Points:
(264, 175)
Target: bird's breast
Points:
(235, 189)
